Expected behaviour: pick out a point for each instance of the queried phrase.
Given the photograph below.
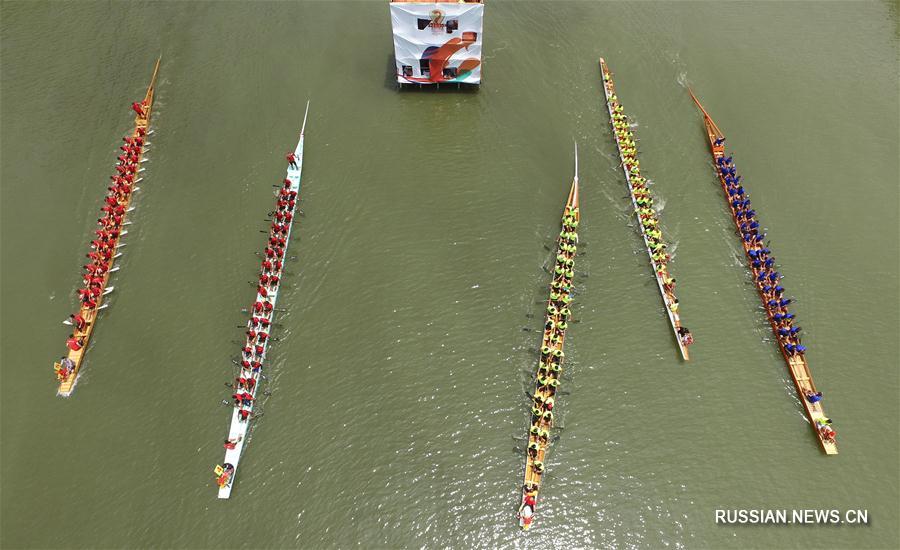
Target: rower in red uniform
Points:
(138, 108)
(529, 499)
(78, 321)
(292, 160)
(75, 344)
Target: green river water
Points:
(398, 383)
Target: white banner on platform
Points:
(437, 42)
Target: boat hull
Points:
(239, 429)
(667, 297)
(797, 365)
(67, 385)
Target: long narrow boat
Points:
(549, 369)
(766, 282)
(644, 213)
(249, 370)
(106, 251)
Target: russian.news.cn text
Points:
(792, 517)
